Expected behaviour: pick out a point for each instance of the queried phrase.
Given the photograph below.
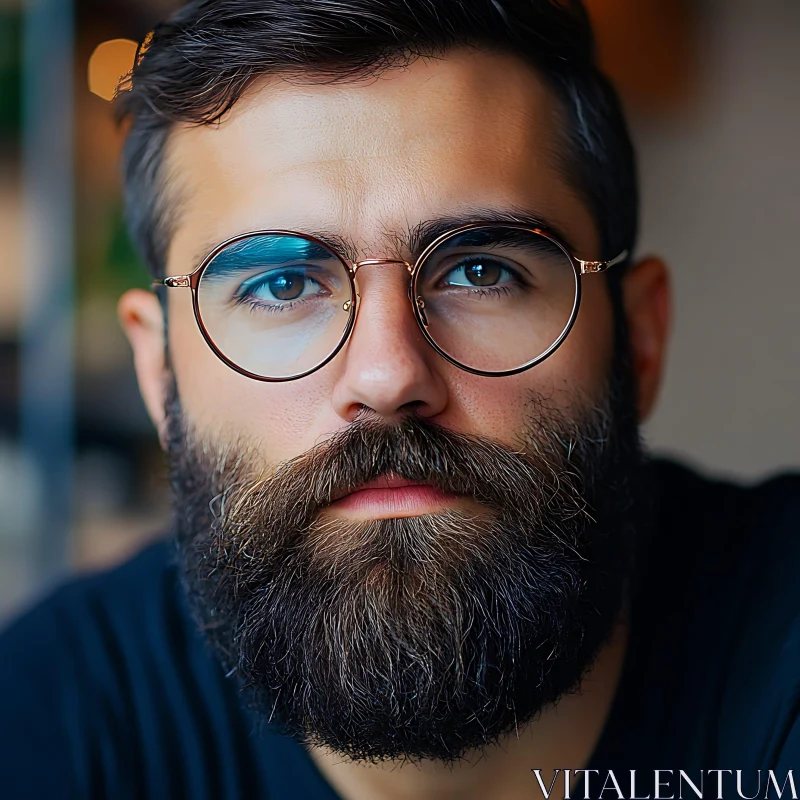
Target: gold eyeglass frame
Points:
(579, 266)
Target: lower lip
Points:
(407, 501)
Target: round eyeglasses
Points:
(493, 300)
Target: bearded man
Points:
(398, 353)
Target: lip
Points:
(388, 481)
(391, 496)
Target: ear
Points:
(648, 308)
(142, 319)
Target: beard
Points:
(424, 637)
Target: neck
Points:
(562, 737)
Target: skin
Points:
(438, 138)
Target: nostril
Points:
(415, 408)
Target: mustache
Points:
(541, 482)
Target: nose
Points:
(388, 367)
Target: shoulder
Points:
(680, 489)
(727, 589)
(80, 622)
(112, 600)
(73, 662)
(718, 526)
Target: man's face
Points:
(417, 620)
(369, 162)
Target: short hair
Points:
(197, 65)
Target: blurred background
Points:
(711, 88)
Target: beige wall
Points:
(721, 201)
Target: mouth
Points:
(390, 497)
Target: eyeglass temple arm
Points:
(592, 267)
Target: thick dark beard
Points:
(420, 638)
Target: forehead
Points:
(367, 160)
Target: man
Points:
(397, 354)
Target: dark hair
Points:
(197, 65)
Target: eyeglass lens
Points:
(497, 298)
(275, 305)
(493, 299)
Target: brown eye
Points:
(483, 273)
(287, 286)
(478, 270)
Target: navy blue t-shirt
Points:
(108, 691)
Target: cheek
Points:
(282, 420)
(571, 379)
(586, 355)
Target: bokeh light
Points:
(110, 63)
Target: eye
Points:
(280, 286)
(479, 271)
(287, 286)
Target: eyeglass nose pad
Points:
(348, 306)
(421, 306)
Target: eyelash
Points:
(484, 291)
(256, 306)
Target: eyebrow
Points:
(423, 234)
(332, 241)
(416, 238)
(259, 251)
